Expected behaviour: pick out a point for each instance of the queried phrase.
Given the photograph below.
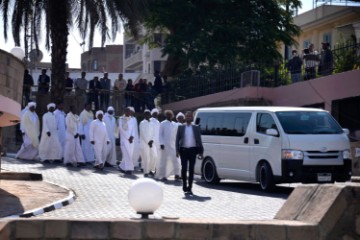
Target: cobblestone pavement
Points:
(101, 195)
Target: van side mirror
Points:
(346, 131)
(272, 132)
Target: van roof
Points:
(259, 108)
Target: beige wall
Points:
(337, 20)
(11, 84)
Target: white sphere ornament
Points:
(18, 52)
(145, 196)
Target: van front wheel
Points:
(266, 178)
(209, 172)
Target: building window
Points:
(129, 49)
(158, 39)
(327, 38)
(157, 66)
(95, 65)
(307, 43)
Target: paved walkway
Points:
(102, 195)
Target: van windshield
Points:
(308, 123)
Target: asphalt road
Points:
(104, 195)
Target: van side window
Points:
(264, 121)
(223, 124)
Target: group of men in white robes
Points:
(82, 139)
(61, 133)
(157, 145)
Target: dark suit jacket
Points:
(180, 137)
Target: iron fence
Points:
(345, 57)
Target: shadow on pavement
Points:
(195, 197)
(247, 188)
(10, 200)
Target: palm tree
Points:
(60, 17)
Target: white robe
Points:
(85, 120)
(155, 157)
(72, 149)
(136, 154)
(127, 129)
(168, 164)
(30, 126)
(60, 123)
(22, 114)
(49, 148)
(147, 133)
(99, 135)
(110, 123)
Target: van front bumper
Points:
(295, 171)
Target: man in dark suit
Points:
(188, 145)
(43, 82)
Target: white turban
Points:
(98, 113)
(155, 110)
(31, 104)
(110, 108)
(146, 110)
(180, 114)
(131, 109)
(51, 105)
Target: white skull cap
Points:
(146, 110)
(131, 109)
(180, 114)
(110, 108)
(31, 104)
(51, 105)
(98, 113)
(154, 110)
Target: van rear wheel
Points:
(266, 178)
(209, 172)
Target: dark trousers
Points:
(188, 156)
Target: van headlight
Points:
(346, 154)
(292, 154)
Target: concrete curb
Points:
(49, 207)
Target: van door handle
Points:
(246, 140)
(256, 141)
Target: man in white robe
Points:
(156, 153)
(86, 117)
(147, 134)
(136, 141)
(30, 127)
(49, 148)
(61, 126)
(99, 139)
(110, 123)
(72, 149)
(127, 130)
(168, 164)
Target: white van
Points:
(272, 145)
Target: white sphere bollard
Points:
(145, 196)
(18, 52)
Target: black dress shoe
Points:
(190, 192)
(108, 164)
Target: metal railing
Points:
(99, 100)
(345, 57)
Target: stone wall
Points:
(311, 212)
(11, 84)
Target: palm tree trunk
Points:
(59, 42)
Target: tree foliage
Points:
(223, 33)
(59, 17)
